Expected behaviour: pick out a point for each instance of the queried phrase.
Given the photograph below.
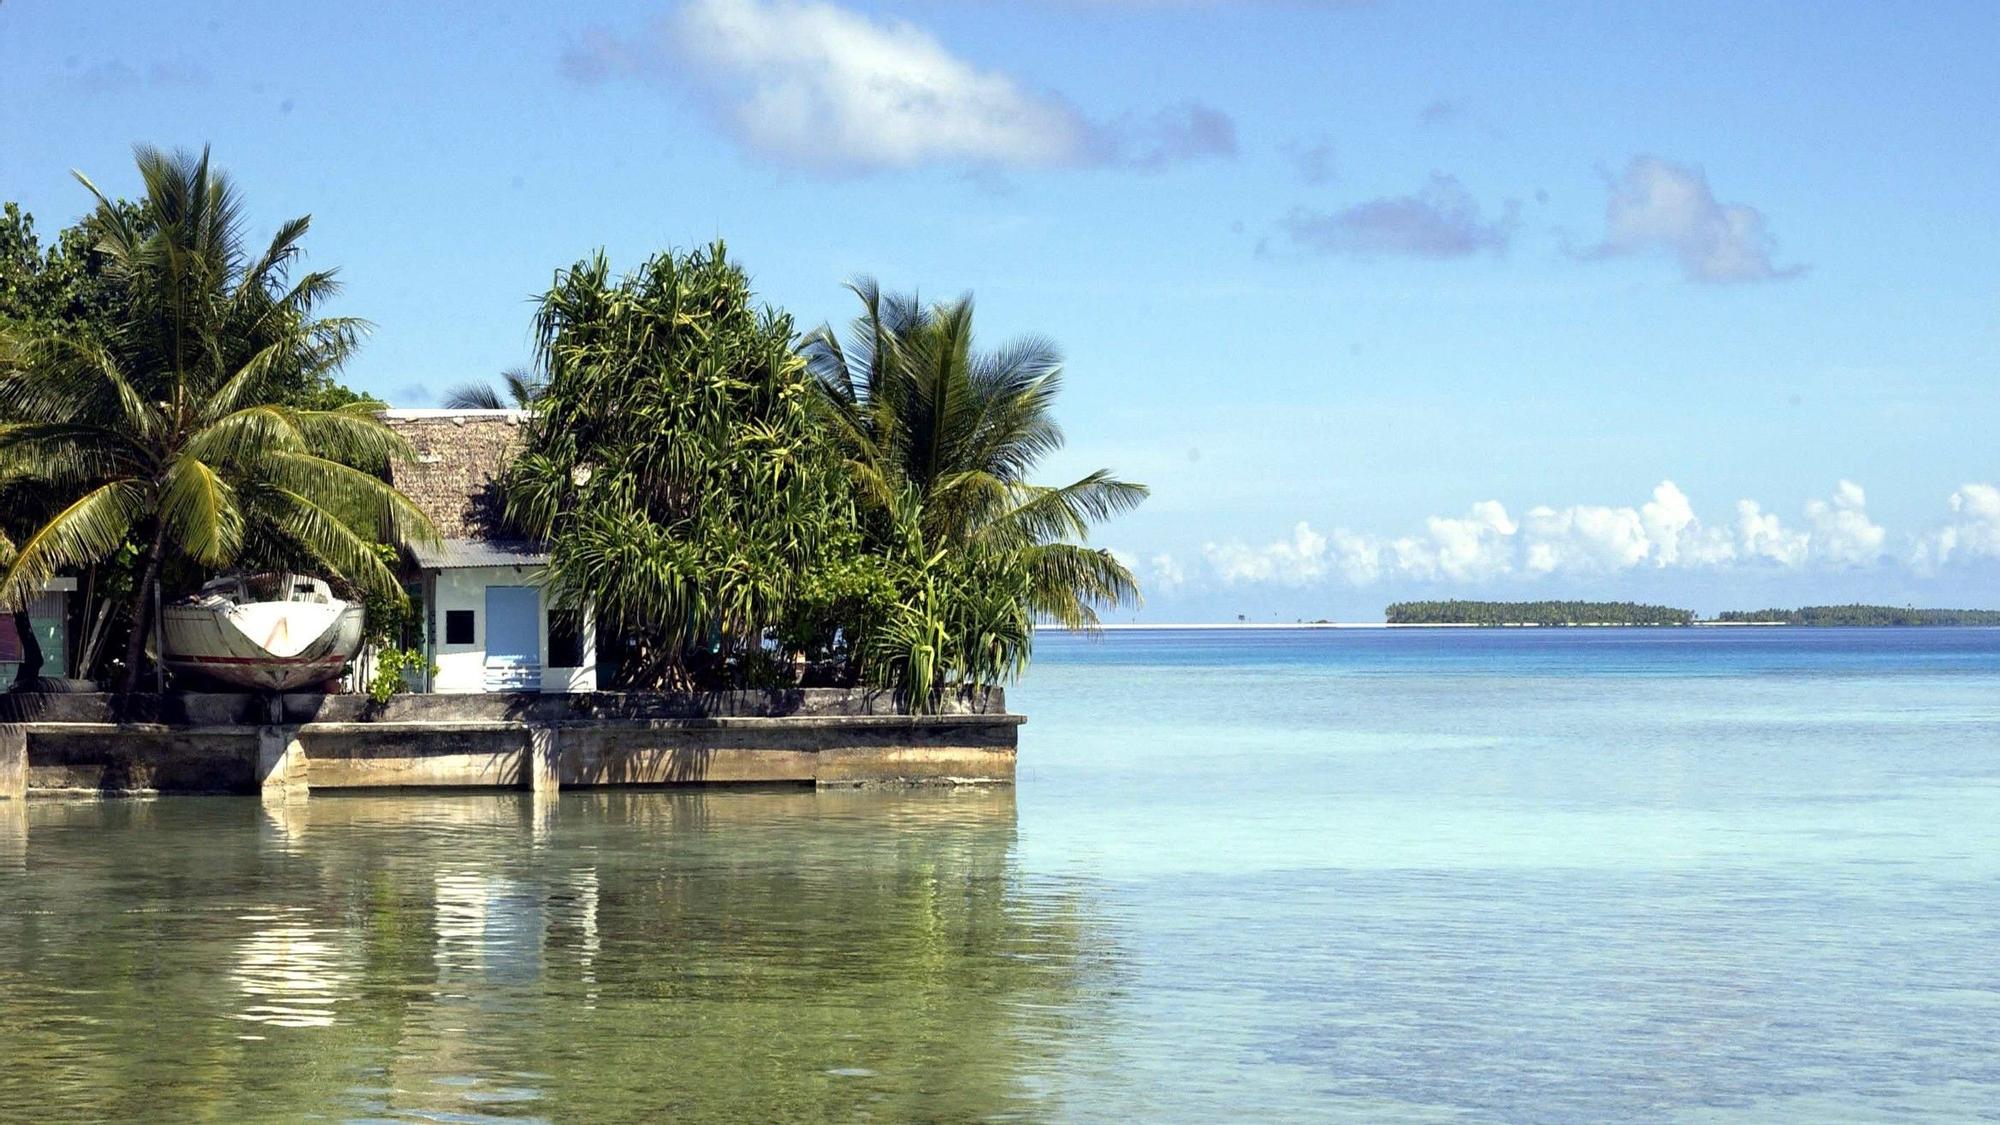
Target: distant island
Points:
(1456, 612)
(1536, 613)
(1860, 615)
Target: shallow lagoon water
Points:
(1414, 875)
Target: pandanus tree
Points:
(942, 441)
(675, 465)
(172, 431)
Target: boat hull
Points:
(263, 646)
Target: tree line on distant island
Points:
(1860, 615)
(1536, 613)
(1457, 612)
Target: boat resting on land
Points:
(266, 632)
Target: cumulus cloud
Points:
(1764, 536)
(814, 85)
(1657, 205)
(1662, 532)
(1972, 532)
(1290, 562)
(1476, 545)
(1840, 532)
(1588, 539)
(1165, 573)
(1442, 220)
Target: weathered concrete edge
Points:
(287, 761)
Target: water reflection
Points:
(602, 956)
(288, 970)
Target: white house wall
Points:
(461, 669)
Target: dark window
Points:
(565, 639)
(458, 626)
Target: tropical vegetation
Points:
(189, 423)
(1861, 615)
(1535, 613)
(940, 440)
(675, 467)
(742, 505)
(737, 502)
(519, 386)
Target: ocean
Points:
(1371, 875)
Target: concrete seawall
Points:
(287, 748)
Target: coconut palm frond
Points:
(198, 509)
(86, 530)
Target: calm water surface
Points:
(1424, 875)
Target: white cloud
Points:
(1973, 532)
(1358, 558)
(812, 84)
(1659, 205)
(1662, 532)
(1291, 562)
(1840, 532)
(1166, 573)
(1476, 546)
(1764, 536)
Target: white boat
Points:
(269, 632)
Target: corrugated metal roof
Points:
(460, 554)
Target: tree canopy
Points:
(941, 440)
(1535, 613)
(674, 464)
(168, 421)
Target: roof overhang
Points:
(467, 554)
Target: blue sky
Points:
(1685, 302)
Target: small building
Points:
(48, 614)
(487, 622)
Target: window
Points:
(458, 627)
(565, 639)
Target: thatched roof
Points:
(461, 457)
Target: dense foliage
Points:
(940, 440)
(166, 429)
(736, 505)
(1867, 615)
(1536, 613)
(676, 470)
(737, 511)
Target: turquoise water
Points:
(1583, 875)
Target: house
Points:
(487, 624)
(49, 615)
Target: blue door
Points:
(513, 638)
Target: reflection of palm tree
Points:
(522, 391)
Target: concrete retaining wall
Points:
(240, 743)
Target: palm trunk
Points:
(142, 604)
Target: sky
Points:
(1695, 303)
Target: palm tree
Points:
(522, 391)
(174, 433)
(942, 438)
